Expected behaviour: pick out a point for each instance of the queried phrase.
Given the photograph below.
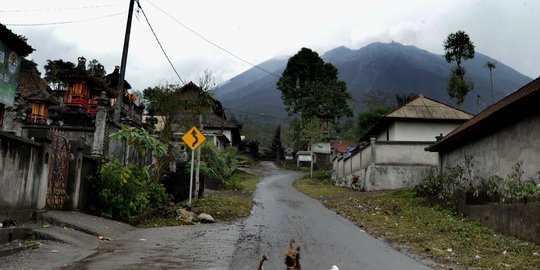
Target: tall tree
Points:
(51, 70)
(458, 47)
(310, 86)
(490, 65)
(277, 147)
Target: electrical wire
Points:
(211, 42)
(157, 39)
(54, 9)
(64, 22)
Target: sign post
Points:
(193, 139)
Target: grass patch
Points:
(243, 182)
(404, 220)
(225, 207)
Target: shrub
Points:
(124, 191)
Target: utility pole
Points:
(120, 96)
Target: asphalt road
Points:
(281, 212)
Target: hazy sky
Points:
(191, 32)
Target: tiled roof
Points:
(342, 146)
(426, 108)
(519, 104)
(30, 87)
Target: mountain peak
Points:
(391, 68)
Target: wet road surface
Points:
(281, 213)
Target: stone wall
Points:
(23, 173)
(521, 221)
(384, 165)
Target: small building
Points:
(303, 158)
(393, 153)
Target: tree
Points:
(29, 64)
(310, 86)
(51, 70)
(490, 65)
(368, 119)
(458, 47)
(402, 99)
(96, 69)
(277, 147)
(458, 86)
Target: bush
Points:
(322, 176)
(220, 164)
(450, 186)
(125, 191)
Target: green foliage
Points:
(125, 191)
(310, 86)
(458, 85)
(368, 119)
(141, 139)
(219, 164)
(458, 46)
(450, 186)
(29, 64)
(52, 68)
(402, 99)
(323, 176)
(277, 147)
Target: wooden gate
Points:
(58, 172)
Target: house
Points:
(394, 154)
(206, 114)
(12, 49)
(497, 138)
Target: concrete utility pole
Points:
(118, 108)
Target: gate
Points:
(58, 172)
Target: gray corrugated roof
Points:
(425, 108)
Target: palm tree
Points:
(490, 65)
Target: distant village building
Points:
(393, 154)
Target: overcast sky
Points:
(252, 31)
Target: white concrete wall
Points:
(404, 130)
(405, 153)
(497, 153)
(356, 162)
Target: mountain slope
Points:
(389, 67)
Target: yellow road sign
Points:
(193, 138)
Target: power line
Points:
(64, 22)
(54, 9)
(213, 43)
(157, 39)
